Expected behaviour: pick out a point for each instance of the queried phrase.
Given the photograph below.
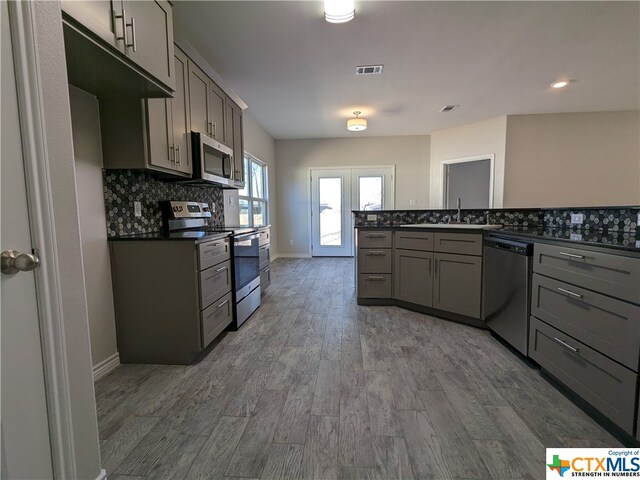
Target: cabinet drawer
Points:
(608, 386)
(265, 237)
(413, 277)
(414, 241)
(216, 318)
(610, 326)
(214, 283)
(265, 278)
(613, 275)
(212, 253)
(264, 257)
(463, 243)
(374, 285)
(373, 239)
(374, 260)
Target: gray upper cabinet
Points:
(142, 31)
(413, 277)
(207, 104)
(457, 283)
(235, 139)
(149, 134)
(149, 37)
(217, 113)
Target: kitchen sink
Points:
(465, 226)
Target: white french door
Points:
(335, 192)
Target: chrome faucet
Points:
(458, 203)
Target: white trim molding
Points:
(293, 255)
(106, 366)
(443, 178)
(103, 475)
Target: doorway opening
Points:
(335, 192)
(470, 180)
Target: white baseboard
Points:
(103, 475)
(292, 255)
(105, 367)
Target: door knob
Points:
(14, 261)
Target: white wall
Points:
(480, 138)
(410, 155)
(258, 143)
(87, 148)
(573, 159)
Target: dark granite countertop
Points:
(193, 236)
(615, 240)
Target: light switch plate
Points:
(372, 218)
(137, 209)
(577, 218)
(413, 203)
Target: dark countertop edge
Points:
(509, 232)
(509, 209)
(148, 237)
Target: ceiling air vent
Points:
(369, 69)
(448, 108)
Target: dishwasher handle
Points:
(509, 245)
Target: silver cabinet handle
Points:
(569, 292)
(376, 235)
(221, 269)
(213, 132)
(565, 345)
(172, 154)
(222, 304)
(178, 159)
(121, 17)
(375, 253)
(14, 262)
(571, 255)
(436, 266)
(376, 279)
(133, 43)
(429, 265)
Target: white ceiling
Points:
(296, 72)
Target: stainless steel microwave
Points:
(212, 161)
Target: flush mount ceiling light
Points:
(356, 124)
(339, 11)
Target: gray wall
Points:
(573, 159)
(87, 149)
(470, 182)
(410, 155)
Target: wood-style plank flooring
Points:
(315, 387)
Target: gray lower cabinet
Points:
(172, 298)
(374, 260)
(605, 384)
(374, 285)
(457, 284)
(375, 239)
(264, 257)
(461, 243)
(413, 276)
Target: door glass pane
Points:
(259, 214)
(257, 183)
(330, 197)
(370, 192)
(243, 206)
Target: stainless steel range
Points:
(189, 219)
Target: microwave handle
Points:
(226, 159)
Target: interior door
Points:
(331, 228)
(26, 449)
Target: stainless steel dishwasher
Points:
(507, 280)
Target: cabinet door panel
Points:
(413, 277)
(159, 143)
(216, 318)
(149, 26)
(457, 283)
(97, 16)
(198, 99)
(217, 112)
(180, 114)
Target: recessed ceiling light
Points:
(339, 11)
(356, 124)
(560, 84)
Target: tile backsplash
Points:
(123, 187)
(606, 219)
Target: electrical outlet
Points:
(137, 209)
(232, 200)
(576, 236)
(637, 243)
(413, 203)
(372, 218)
(290, 242)
(212, 207)
(577, 218)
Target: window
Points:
(253, 198)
